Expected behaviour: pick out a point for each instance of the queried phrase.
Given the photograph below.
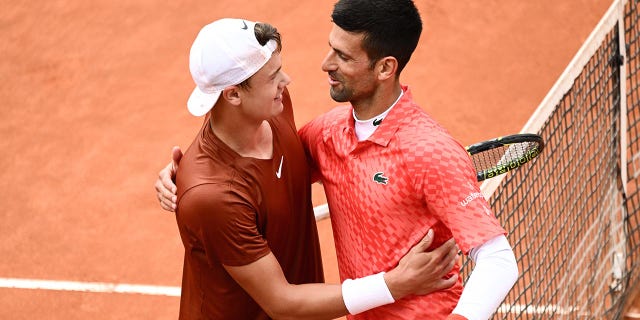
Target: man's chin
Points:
(280, 108)
(338, 96)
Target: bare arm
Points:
(418, 272)
(267, 285)
(438, 262)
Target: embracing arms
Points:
(418, 272)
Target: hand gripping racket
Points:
(501, 155)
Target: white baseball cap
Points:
(225, 53)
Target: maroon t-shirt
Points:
(234, 210)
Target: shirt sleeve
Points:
(222, 224)
(453, 195)
(493, 275)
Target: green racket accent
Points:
(494, 157)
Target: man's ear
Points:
(231, 94)
(386, 68)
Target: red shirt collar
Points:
(391, 123)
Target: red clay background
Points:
(93, 97)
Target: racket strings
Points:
(512, 155)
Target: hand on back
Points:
(422, 272)
(165, 185)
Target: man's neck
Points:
(248, 139)
(380, 101)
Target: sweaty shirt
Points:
(234, 210)
(386, 192)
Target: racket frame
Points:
(505, 142)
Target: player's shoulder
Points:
(200, 172)
(334, 116)
(214, 206)
(425, 140)
(418, 129)
(321, 125)
(199, 186)
(214, 192)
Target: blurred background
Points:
(94, 96)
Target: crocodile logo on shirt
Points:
(380, 178)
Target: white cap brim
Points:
(200, 103)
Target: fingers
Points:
(167, 205)
(165, 184)
(166, 189)
(445, 249)
(176, 155)
(446, 283)
(425, 243)
(452, 248)
(165, 197)
(166, 176)
(450, 245)
(452, 258)
(448, 253)
(439, 261)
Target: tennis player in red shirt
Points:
(391, 173)
(244, 197)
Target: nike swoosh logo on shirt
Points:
(279, 172)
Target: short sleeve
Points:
(222, 224)
(452, 193)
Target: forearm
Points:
(308, 301)
(493, 275)
(418, 272)
(357, 295)
(267, 285)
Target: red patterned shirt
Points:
(386, 192)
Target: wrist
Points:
(366, 293)
(397, 290)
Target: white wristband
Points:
(366, 293)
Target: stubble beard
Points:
(343, 95)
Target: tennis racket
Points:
(494, 157)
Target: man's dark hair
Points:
(264, 32)
(390, 27)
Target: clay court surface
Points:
(94, 96)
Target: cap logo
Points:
(224, 53)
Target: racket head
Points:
(501, 155)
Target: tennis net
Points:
(572, 214)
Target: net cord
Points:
(618, 216)
(614, 14)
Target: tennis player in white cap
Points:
(244, 198)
